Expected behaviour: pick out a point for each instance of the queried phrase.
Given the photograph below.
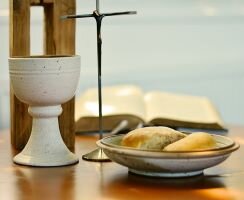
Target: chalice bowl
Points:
(44, 83)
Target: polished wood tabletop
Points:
(100, 181)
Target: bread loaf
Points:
(195, 141)
(151, 138)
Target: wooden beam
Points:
(19, 46)
(40, 2)
(64, 31)
(63, 42)
(35, 2)
(59, 38)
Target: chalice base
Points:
(45, 147)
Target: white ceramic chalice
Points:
(44, 83)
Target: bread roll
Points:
(194, 141)
(154, 138)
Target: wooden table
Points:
(90, 180)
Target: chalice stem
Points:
(45, 146)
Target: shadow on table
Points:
(139, 187)
(197, 182)
(45, 183)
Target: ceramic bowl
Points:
(167, 164)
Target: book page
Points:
(178, 107)
(117, 100)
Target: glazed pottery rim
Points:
(227, 139)
(63, 56)
(168, 154)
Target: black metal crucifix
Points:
(98, 155)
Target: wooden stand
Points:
(59, 38)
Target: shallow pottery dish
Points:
(167, 164)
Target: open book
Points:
(151, 108)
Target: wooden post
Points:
(59, 39)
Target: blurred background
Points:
(184, 46)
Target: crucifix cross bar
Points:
(97, 14)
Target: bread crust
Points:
(196, 141)
(155, 138)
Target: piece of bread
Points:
(154, 138)
(195, 141)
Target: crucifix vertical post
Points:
(97, 154)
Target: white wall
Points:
(185, 46)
